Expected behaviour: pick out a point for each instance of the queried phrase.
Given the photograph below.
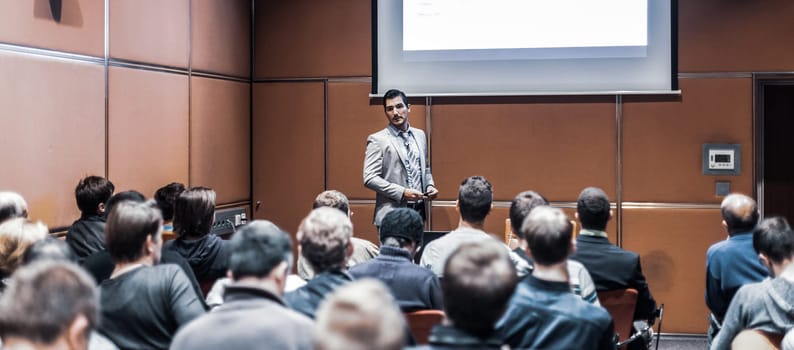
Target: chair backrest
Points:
(421, 323)
(757, 340)
(620, 304)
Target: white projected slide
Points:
(437, 25)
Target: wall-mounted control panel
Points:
(228, 220)
(721, 159)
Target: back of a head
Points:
(92, 191)
(332, 199)
(324, 236)
(593, 209)
(774, 238)
(257, 248)
(132, 196)
(194, 212)
(521, 206)
(478, 282)
(128, 225)
(42, 300)
(16, 235)
(12, 206)
(48, 249)
(548, 232)
(475, 197)
(166, 198)
(403, 224)
(740, 213)
(358, 316)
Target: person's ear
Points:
(78, 332)
(101, 208)
(576, 215)
(408, 106)
(724, 224)
(457, 206)
(610, 214)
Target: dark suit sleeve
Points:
(646, 305)
(607, 341)
(435, 294)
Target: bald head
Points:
(740, 213)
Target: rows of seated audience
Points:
(133, 273)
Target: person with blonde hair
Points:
(16, 235)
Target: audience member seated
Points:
(207, 254)
(732, 263)
(363, 250)
(544, 313)
(522, 205)
(475, 198)
(48, 249)
(253, 315)
(143, 305)
(610, 266)
(86, 235)
(414, 287)
(766, 306)
(16, 235)
(12, 206)
(48, 305)
(100, 264)
(360, 315)
(324, 238)
(166, 198)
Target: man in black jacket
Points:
(87, 235)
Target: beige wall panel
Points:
(53, 124)
(663, 140)
(148, 129)
(220, 147)
(221, 36)
(81, 28)
(288, 161)
(672, 244)
(352, 116)
(150, 31)
(362, 222)
(308, 38)
(719, 36)
(556, 147)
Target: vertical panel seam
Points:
(429, 127)
(107, 88)
(619, 169)
(251, 110)
(189, 92)
(325, 134)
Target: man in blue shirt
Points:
(732, 263)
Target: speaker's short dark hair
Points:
(522, 204)
(166, 198)
(392, 94)
(548, 232)
(774, 238)
(478, 282)
(593, 209)
(92, 191)
(257, 248)
(42, 300)
(475, 197)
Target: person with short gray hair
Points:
(324, 237)
(260, 260)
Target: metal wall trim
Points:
(572, 205)
(657, 205)
(203, 74)
(290, 80)
(349, 79)
(715, 75)
(115, 62)
(45, 53)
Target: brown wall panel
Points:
(151, 31)
(352, 116)
(148, 129)
(221, 36)
(672, 244)
(81, 28)
(307, 38)
(719, 36)
(53, 124)
(288, 150)
(220, 147)
(663, 140)
(556, 149)
(362, 222)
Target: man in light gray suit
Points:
(395, 164)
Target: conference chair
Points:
(620, 304)
(421, 323)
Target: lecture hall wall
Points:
(312, 74)
(165, 96)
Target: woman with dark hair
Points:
(206, 253)
(143, 304)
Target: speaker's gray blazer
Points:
(384, 170)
